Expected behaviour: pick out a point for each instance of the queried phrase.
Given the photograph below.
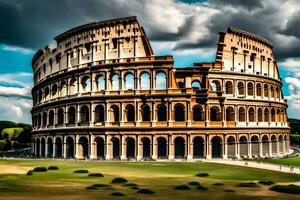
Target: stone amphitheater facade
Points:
(103, 94)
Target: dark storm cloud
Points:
(250, 4)
(293, 26)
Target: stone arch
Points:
(146, 148)
(50, 147)
(58, 147)
(146, 113)
(198, 113)
(250, 89)
(116, 147)
(258, 90)
(71, 115)
(259, 115)
(70, 147)
(40, 96)
(38, 147)
(115, 113)
(73, 86)
(100, 147)
(44, 119)
(272, 91)
(278, 115)
(129, 81)
(196, 85)
(161, 81)
(274, 144)
(115, 82)
(241, 88)
(230, 114)
(130, 148)
(161, 112)
(273, 115)
(39, 120)
(180, 85)
(100, 82)
(265, 145)
(99, 113)
(215, 86)
(242, 114)
(243, 146)
(254, 146)
(84, 114)
(231, 147)
(43, 147)
(179, 145)
(198, 147)
(60, 116)
(145, 81)
(130, 113)
(266, 90)
(216, 147)
(86, 84)
(266, 115)
(251, 114)
(281, 147)
(215, 113)
(179, 111)
(83, 147)
(161, 148)
(228, 87)
(54, 90)
(47, 94)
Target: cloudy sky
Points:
(187, 29)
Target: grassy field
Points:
(160, 177)
(286, 161)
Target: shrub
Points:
(228, 190)
(145, 191)
(292, 189)
(202, 174)
(218, 184)
(117, 194)
(81, 171)
(52, 168)
(194, 183)
(119, 180)
(135, 188)
(96, 174)
(266, 182)
(130, 184)
(92, 187)
(201, 187)
(29, 173)
(182, 187)
(250, 184)
(99, 185)
(40, 169)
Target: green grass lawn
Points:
(161, 177)
(286, 161)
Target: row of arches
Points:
(255, 146)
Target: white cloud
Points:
(12, 48)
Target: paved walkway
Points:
(259, 165)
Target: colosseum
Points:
(103, 94)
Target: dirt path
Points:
(12, 169)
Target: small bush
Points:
(250, 184)
(117, 194)
(145, 191)
(228, 190)
(135, 188)
(52, 168)
(130, 184)
(218, 184)
(182, 187)
(92, 187)
(119, 180)
(81, 171)
(266, 182)
(96, 174)
(194, 183)
(201, 187)
(100, 185)
(40, 169)
(291, 189)
(29, 173)
(202, 174)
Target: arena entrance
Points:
(100, 147)
(130, 150)
(161, 148)
(50, 148)
(179, 148)
(116, 148)
(58, 148)
(146, 148)
(69, 147)
(83, 149)
(216, 147)
(198, 147)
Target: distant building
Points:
(103, 94)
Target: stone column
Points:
(190, 153)
(277, 147)
(139, 149)
(249, 148)
(92, 147)
(260, 148)
(270, 148)
(237, 148)
(76, 146)
(154, 147)
(64, 143)
(225, 153)
(123, 148)
(208, 147)
(108, 154)
(53, 148)
(170, 147)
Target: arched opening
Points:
(115, 113)
(266, 115)
(230, 114)
(273, 115)
(145, 81)
(251, 114)
(161, 113)
(161, 148)
(99, 147)
(230, 147)
(198, 114)
(39, 120)
(258, 89)
(60, 116)
(196, 85)
(259, 115)
(115, 82)
(243, 147)
(180, 85)
(272, 91)
(38, 147)
(63, 88)
(44, 119)
(146, 148)
(129, 81)
(43, 146)
(130, 148)
(161, 81)
(100, 82)
(47, 92)
(265, 145)
(73, 86)
(198, 147)
(71, 115)
(40, 96)
(254, 146)
(51, 117)
(242, 114)
(84, 114)
(215, 86)
(145, 113)
(278, 116)
(179, 112)
(130, 114)
(228, 87)
(54, 91)
(266, 90)
(274, 145)
(83, 148)
(250, 89)
(99, 113)
(277, 92)
(86, 84)
(116, 148)
(280, 141)
(50, 148)
(58, 147)
(69, 147)
(179, 148)
(215, 114)
(241, 88)
(216, 143)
